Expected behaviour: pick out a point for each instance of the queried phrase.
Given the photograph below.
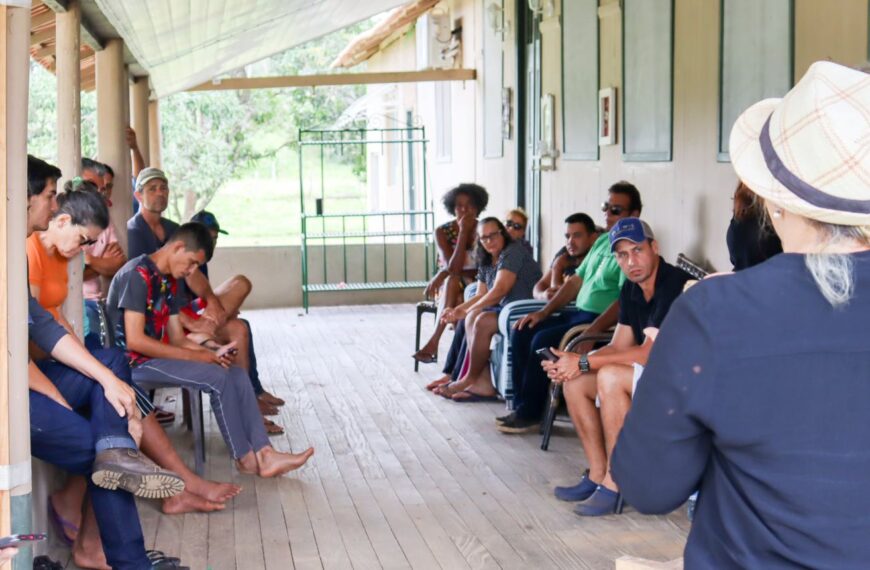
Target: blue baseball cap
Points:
(633, 229)
(208, 220)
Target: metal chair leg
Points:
(550, 418)
(198, 421)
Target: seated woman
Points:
(455, 240)
(506, 272)
(81, 216)
(750, 238)
(516, 223)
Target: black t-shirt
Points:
(750, 243)
(636, 312)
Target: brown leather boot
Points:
(127, 469)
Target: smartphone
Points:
(227, 349)
(546, 354)
(17, 539)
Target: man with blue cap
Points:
(608, 377)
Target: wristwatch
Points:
(584, 364)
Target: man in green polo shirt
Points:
(595, 289)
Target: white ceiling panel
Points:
(182, 43)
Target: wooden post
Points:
(69, 136)
(139, 93)
(113, 97)
(154, 157)
(15, 480)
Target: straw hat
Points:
(809, 152)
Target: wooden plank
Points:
(337, 79)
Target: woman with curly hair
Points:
(457, 268)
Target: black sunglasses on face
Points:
(614, 210)
(513, 225)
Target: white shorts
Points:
(638, 370)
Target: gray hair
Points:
(98, 167)
(832, 272)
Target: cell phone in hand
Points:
(227, 349)
(18, 539)
(546, 354)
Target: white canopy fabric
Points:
(182, 43)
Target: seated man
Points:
(192, 311)
(143, 308)
(580, 235)
(102, 258)
(611, 374)
(100, 446)
(595, 286)
(147, 231)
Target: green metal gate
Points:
(360, 237)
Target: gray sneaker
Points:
(127, 469)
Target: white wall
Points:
(276, 273)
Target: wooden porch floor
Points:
(400, 478)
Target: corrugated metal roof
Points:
(182, 43)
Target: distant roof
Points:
(183, 43)
(370, 42)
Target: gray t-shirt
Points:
(518, 260)
(140, 287)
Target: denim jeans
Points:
(530, 380)
(232, 398)
(457, 352)
(70, 439)
(252, 362)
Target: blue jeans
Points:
(252, 362)
(530, 380)
(70, 440)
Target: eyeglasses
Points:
(614, 210)
(486, 238)
(85, 241)
(514, 225)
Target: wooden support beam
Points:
(69, 137)
(58, 6)
(154, 148)
(113, 98)
(337, 79)
(15, 488)
(140, 91)
(43, 52)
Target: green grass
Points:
(263, 209)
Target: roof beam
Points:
(42, 19)
(57, 5)
(39, 37)
(336, 79)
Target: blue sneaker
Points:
(579, 492)
(602, 502)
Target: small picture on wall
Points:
(607, 116)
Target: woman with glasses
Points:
(506, 272)
(457, 268)
(80, 218)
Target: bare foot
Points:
(68, 512)
(271, 399)
(439, 382)
(426, 355)
(274, 463)
(94, 559)
(212, 490)
(247, 464)
(187, 502)
(266, 408)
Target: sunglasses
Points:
(513, 225)
(614, 210)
